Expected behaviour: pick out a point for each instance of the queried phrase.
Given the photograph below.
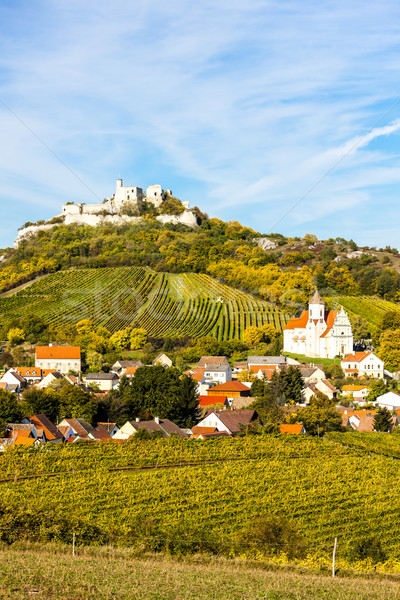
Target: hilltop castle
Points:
(318, 332)
(124, 195)
(113, 210)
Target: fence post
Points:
(73, 544)
(333, 558)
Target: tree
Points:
(94, 361)
(15, 336)
(252, 336)
(10, 410)
(377, 387)
(45, 402)
(156, 391)
(383, 420)
(319, 417)
(389, 349)
(138, 338)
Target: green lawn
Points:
(313, 359)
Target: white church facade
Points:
(319, 333)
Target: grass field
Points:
(311, 360)
(164, 304)
(104, 574)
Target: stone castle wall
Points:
(110, 211)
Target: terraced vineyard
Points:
(164, 304)
(370, 308)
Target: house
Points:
(198, 375)
(162, 360)
(325, 386)
(216, 369)
(163, 426)
(32, 374)
(105, 381)
(130, 372)
(60, 358)
(366, 423)
(50, 431)
(110, 428)
(390, 400)
(295, 429)
(24, 433)
(230, 389)
(266, 361)
(79, 427)
(240, 402)
(213, 401)
(363, 363)
(318, 332)
(311, 373)
(99, 436)
(14, 381)
(359, 392)
(120, 366)
(51, 377)
(230, 421)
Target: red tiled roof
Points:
(229, 386)
(356, 357)
(211, 400)
(301, 322)
(60, 352)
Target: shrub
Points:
(368, 548)
(273, 536)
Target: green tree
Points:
(10, 410)
(36, 402)
(94, 361)
(16, 335)
(319, 417)
(138, 338)
(389, 349)
(383, 420)
(377, 387)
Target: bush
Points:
(368, 548)
(273, 536)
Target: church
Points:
(319, 333)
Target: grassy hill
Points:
(164, 304)
(370, 308)
(183, 497)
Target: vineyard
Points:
(163, 493)
(370, 308)
(163, 304)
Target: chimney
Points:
(137, 420)
(157, 420)
(50, 344)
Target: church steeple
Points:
(316, 307)
(316, 299)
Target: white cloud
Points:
(255, 101)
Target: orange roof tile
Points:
(197, 429)
(300, 322)
(295, 428)
(61, 352)
(211, 400)
(356, 357)
(353, 388)
(131, 370)
(229, 386)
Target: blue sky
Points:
(282, 115)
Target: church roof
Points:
(299, 323)
(316, 299)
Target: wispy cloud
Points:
(242, 107)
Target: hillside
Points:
(164, 304)
(185, 496)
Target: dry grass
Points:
(52, 573)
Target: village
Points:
(228, 395)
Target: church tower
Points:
(316, 324)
